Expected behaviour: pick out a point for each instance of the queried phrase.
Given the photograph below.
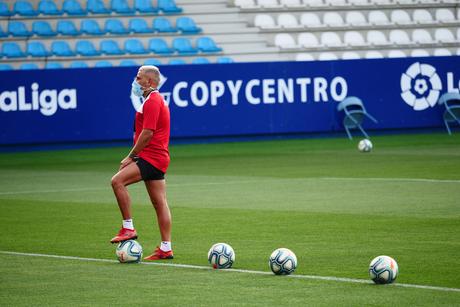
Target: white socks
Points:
(128, 224)
(165, 246)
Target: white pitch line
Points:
(197, 267)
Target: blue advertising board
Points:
(67, 105)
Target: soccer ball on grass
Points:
(129, 251)
(221, 256)
(383, 270)
(365, 145)
(282, 261)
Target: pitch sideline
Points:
(197, 267)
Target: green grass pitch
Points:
(334, 207)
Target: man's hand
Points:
(125, 162)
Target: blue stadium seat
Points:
(61, 48)
(187, 26)
(153, 62)
(200, 61)
(91, 27)
(12, 50)
(28, 66)
(18, 28)
(114, 26)
(37, 49)
(97, 7)
(53, 65)
(354, 114)
(4, 9)
(134, 46)
(168, 7)
(451, 102)
(6, 67)
(206, 44)
(183, 46)
(121, 7)
(67, 27)
(224, 60)
(78, 64)
(163, 25)
(128, 63)
(73, 7)
(103, 64)
(176, 62)
(2, 33)
(48, 7)
(24, 8)
(110, 47)
(138, 25)
(86, 48)
(144, 6)
(159, 46)
(42, 28)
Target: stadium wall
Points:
(78, 105)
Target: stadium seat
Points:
(73, 8)
(269, 4)
(444, 35)
(355, 18)
(42, 28)
(442, 52)
(78, 64)
(168, 7)
(90, 27)
(159, 46)
(378, 18)
(337, 2)
(207, 45)
(314, 3)
(264, 21)
(12, 50)
(86, 48)
(121, 7)
(400, 17)
(176, 62)
(4, 9)
(18, 28)
(153, 62)
(288, 21)
(327, 56)
(359, 2)
(134, 46)
(421, 36)
(350, 55)
(128, 63)
(200, 61)
(451, 102)
(110, 47)
(353, 38)
(53, 65)
(183, 46)
(103, 64)
(419, 53)
(163, 25)
(114, 26)
(396, 54)
(373, 54)
(376, 38)
(308, 40)
(37, 49)
(422, 16)
(292, 3)
(333, 19)
(285, 41)
(61, 48)
(304, 57)
(97, 7)
(28, 66)
(2, 33)
(399, 37)
(48, 7)
(224, 60)
(187, 26)
(310, 20)
(138, 25)
(24, 8)
(445, 15)
(354, 115)
(6, 67)
(67, 27)
(144, 6)
(331, 39)
(246, 4)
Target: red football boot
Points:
(158, 254)
(124, 234)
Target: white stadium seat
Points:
(304, 57)
(442, 52)
(399, 37)
(419, 53)
(310, 20)
(458, 34)
(292, 3)
(458, 51)
(377, 38)
(378, 18)
(373, 55)
(269, 3)
(327, 56)
(445, 15)
(400, 17)
(331, 39)
(422, 16)
(287, 20)
(358, 2)
(332, 19)
(382, 2)
(264, 21)
(313, 2)
(285, 41)
(336, 2)
(353, 38)
(396, 54)
(308, 40)
(245, 3)
(350, 55)
(355, 18)
(421, 36)
(444, 36)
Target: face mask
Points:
(136, 89)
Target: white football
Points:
(365, 145)
(282, 261)
(221, 256)
(129, 251)
(383, 270)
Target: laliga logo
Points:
(420, 86)
(138, 101)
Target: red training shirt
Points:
(154, 115)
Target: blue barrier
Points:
(66, 105)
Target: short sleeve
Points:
(151, 112)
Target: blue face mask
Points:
(136, 89)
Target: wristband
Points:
(132, 156)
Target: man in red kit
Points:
(148, 160)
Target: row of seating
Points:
(374, 54)
(300, 4)
(373, 38)
(357, 18)
(105, 63)
(185, 25)
(76, 8)
(132, 46)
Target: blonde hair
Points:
(153, 72)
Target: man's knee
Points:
(116, 181)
